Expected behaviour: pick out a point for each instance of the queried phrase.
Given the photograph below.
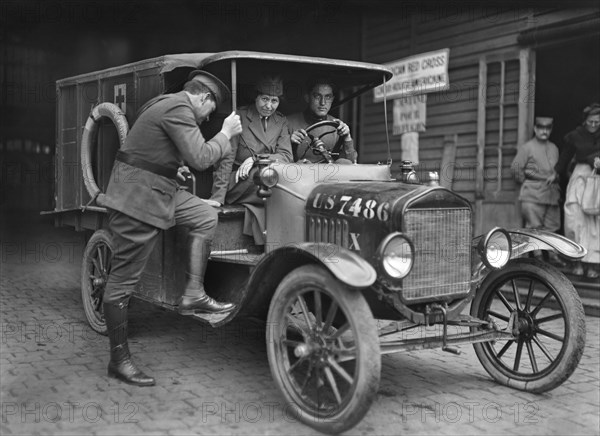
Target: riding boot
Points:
(120, 366)
(195, 299)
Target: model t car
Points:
(353, 257)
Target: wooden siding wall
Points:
(67, 144)
(501, 125)
(470, 32)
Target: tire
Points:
(550, 329)
(94, 274)
(89, 137)
(322, 339)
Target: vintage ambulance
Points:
(354, 259)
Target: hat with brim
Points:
(543, 121)
(217, 87)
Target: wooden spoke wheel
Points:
(323, 349)
(94, 275)
(548, 324)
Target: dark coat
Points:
(252, 141)
(582, 145)
(165, 133)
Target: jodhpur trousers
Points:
(134, 240)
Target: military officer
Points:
(143, 198)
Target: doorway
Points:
(567, 80)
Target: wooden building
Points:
(507, 62)
(506, 65)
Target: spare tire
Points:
(90, 136)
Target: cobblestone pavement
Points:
(217, 381)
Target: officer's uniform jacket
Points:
(536, 157)
(165, 134)
(252, 141)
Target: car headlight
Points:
(269, 177)
(495, 248)
(396, 254)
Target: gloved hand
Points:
(244, 169)
(232, 125)
(184, 174)
(343, 129)
(298, 136)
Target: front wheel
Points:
(94, 275)
(549, 329)
(323, 349)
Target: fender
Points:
(523, 241)
(526, 240)
(345, 265)
(88, 140)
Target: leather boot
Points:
(194, 299)
(120, 366)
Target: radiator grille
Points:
(332, 230)
(442, 264)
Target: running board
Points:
(211, 318)
(240, 257)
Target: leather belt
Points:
(145, 165)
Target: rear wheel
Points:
(549, 327)
(94, 275)
(323, 349)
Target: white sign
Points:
(410, 114)
(409, 144)
(419, 74)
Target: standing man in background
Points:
(533, 168)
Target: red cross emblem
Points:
(120, 98)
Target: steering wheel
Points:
(316, 144)
(332, 123)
